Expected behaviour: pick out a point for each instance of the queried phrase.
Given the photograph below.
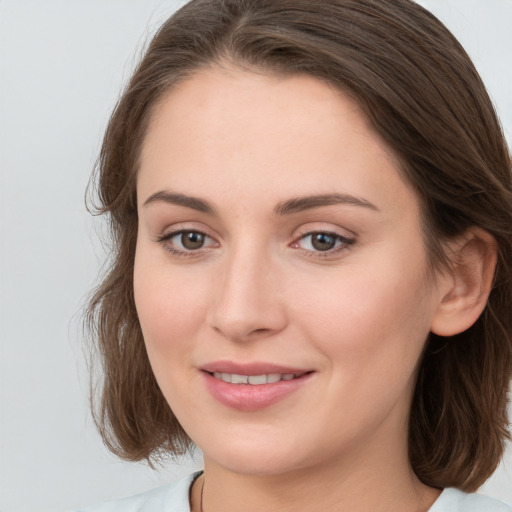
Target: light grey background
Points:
(62, 65)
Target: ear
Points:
(464, 291)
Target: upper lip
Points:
(254, 368)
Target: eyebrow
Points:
(299, 204)
(294, 205)
(181, 200)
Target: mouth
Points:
(255, 386)
(256, 380)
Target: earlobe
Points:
(465, 289)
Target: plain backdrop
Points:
(62, 65)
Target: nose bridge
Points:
(246, 303)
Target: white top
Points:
(175, 498)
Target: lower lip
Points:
(247, 397)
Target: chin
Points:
(259, 465)
(263, 458)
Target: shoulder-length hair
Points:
(422, 94)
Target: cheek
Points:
(168, 304)
(370, 320)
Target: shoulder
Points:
(453, 500)
(171, 498)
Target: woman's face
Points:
(279, 249)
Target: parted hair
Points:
(422, 94)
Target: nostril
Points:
(259, 331)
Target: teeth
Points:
(257, 379)
(254, 380)
(239, 379)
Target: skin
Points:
(257, 290)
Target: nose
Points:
(247, 303)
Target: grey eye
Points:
(324, 242)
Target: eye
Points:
(191, 240)
(323, 242)
(186, 241)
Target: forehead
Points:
(220, 101)
(254, 133)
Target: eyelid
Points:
(334, 234)
(180, 227)
(172, 234)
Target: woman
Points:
(310, 205)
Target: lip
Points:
(247, 397)
(255, 368)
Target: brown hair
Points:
(422, 94)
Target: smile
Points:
(253, 387)
(255, 380)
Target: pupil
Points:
(192, 240)
(323, 241)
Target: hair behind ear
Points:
(460, 398)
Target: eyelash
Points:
(344, 243)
